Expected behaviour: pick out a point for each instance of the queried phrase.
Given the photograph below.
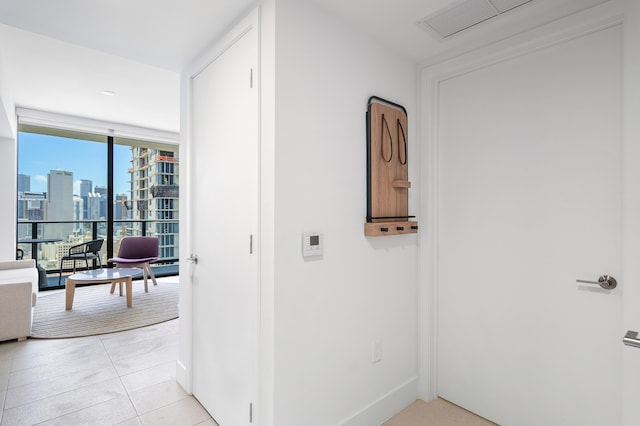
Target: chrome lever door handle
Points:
(192, 259)
(631, 339)
(605, 281)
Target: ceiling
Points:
(61, 55)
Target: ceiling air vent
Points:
(466, 14)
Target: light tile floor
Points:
(438, 412)
(125, 378)
(128, 379)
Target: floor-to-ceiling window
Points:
(76, 186)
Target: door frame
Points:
(184, 363)
(631, 207)
(575, 26)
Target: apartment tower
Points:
(59, 204)
(154, 197)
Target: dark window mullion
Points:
(110, 197)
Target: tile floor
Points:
(437, 412)
(125, 378)
(128, 378)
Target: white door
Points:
(631, 210)
(224, 224)
(529, 187)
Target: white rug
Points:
(96, 311)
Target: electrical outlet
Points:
(376, 352)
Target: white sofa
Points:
(18, 296)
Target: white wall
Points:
(8, 123)
(8, 170)
(8, 195)
(329, 311)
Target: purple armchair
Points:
(138, 252)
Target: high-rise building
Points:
(93, 205)
(155, 196)
(102, 190)
(31, 206)
(86, 186)
(24, 186)
(24, 183)
(121, 212)
(59, 204)
(78, 208)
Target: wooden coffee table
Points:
(114, 276)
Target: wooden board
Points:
(380, 229)
(387, 172)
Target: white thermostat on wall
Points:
(312, 244)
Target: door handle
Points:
(631, 339)
(192, 259)
(605, 281)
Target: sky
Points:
(39, 154)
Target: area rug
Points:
(96, 311)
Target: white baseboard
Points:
(182, 377)
(386, 406)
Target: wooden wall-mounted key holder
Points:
(387, 172)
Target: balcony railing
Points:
(47, 241)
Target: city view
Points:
(63, 198)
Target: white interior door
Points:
(224, 223)
(529, 200)
(631, 208)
